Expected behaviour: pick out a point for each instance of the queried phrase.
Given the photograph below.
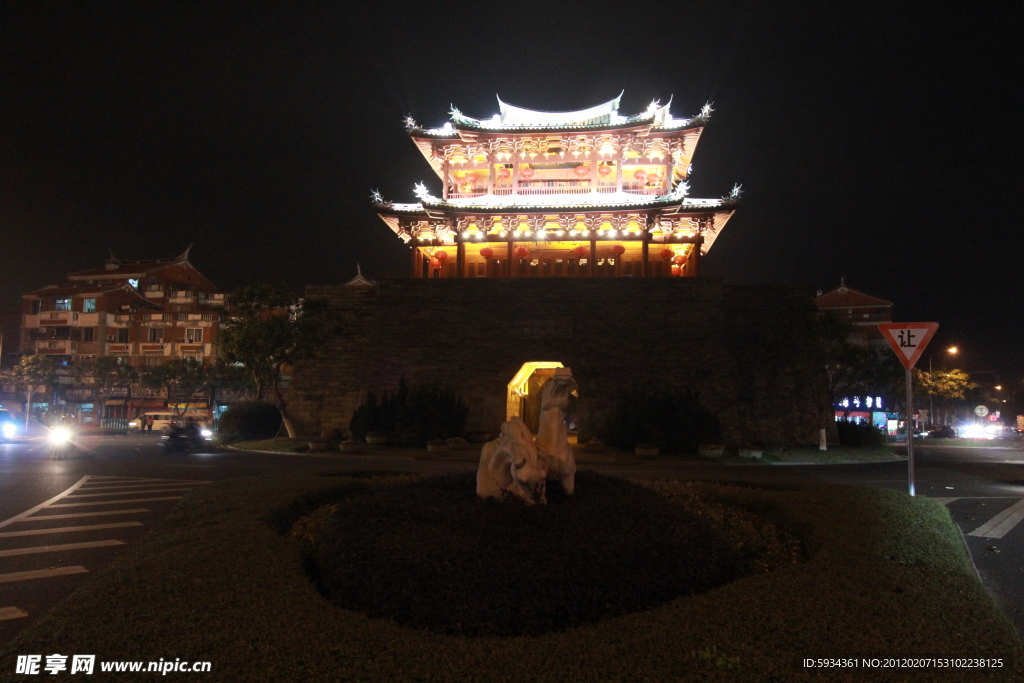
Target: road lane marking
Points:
(70, 515)
(42, 574)
(113, 502)
(127, 493)
(37, 508)
(58, 548)
(8, 613)
(945, 501)
(139, 488)
(1003, 523)
(68, 529)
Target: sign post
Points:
(909, 340)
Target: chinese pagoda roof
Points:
(511, 118)
(845, 297)
(114, 268)
(675, 203)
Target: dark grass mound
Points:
(428, 554)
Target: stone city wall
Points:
(615, 334)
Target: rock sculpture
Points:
(552, 434)
(512, 463)
(515, 463)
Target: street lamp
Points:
(952, 350)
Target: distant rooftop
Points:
(511, 117)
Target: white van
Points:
(160, 420)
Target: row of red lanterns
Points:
(438, 258)
(581, 171)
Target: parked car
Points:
(943, 432)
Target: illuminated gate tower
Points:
(559, 194)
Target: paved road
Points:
(63, 520)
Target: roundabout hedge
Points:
(223, 578)
(429, 554)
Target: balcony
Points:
(181, 297)
(119, 349)
(154, 348)
(58, 347)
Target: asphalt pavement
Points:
(63, 520)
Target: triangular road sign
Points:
(908, 340)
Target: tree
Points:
(104, 374)
(269, 328)
(808, 359)
(181, 378)
(948, 386)
(33, 372)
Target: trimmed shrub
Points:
(859, 434)
(675, 421)
(429, 554)
(412, 416)
(249, 420)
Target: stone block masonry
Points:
(615, 334)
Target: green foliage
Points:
(676, 421)
(860, 435)
(32, 372)
(429, 555)
(181, 378)
(104, 373)
(943, 384)
(412, 416)
(249, 420)
(267, 328)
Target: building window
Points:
(122, 335)
(154, 288)
(88, 305)
(36, 306)
(151, 361)
(88, 334)
(134, 282)
(62, 304)
(156, 334)
(194, 335)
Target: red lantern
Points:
(604, 170)
(676, 270)
(504, 173)
(640, 174)
(526, 173)
(618, 250)
(667, 253)
(487, 252)
(434, 263)
(441, 255)
(581, 251)
(521, 252)
(582, 170)
(680, 259)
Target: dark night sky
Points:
(872, 141)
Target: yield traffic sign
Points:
(908, 340)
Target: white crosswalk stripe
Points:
(116, 496)
(1003, 523)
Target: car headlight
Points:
(9, 429)
(60, 435)
(206, 432)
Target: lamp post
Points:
(952, 350)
